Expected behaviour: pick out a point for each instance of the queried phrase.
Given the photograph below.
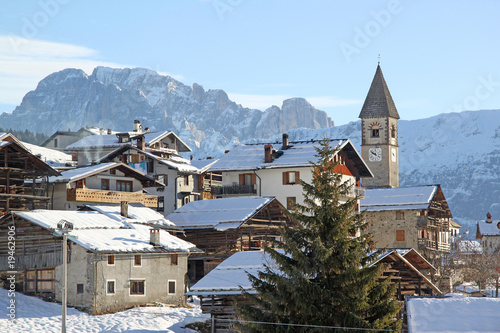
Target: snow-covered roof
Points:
(489, 228)
(79, 173)
(137, 213)
(232, 274)
(52, 157)
(101, 233)
(399, 198)
(48, 219)
(203, 165)
(221, 214)
(133, 239)
(453, 314)
(298, 154)
(469, 247)
(73, 175)
(111, 141)
(175, 162)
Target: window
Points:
(291, 177)
(171, 287)
(137, 260)
(124, 185)
(112, 172)
(400, 215)
(400, 235)
(150, 166)
(186, 180)
(393, 131)
(162, 179)
(290, 201)
(80, 183)
(173, 259)
(137, 287)
(186, 200)
(110, 287)
(55, 143)
(79, 288)
(161, 204)
(74, 156)
(111, 260)
(104, 184)
(375, 131)
(247, 179)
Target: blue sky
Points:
(437, 56)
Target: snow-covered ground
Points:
(35, 315)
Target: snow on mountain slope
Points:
(460, 151)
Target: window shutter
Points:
(254, 179)
(285, 178)
(242, 179)
(400, 235)
(297, 177)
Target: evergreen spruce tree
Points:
(322, 274)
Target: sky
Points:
(436, 56)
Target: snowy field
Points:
(35, 315)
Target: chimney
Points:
(137, 126)
(285, 141)
(109, 130)
(268, 153)
(154, 237)
(124, 208)
(488, 218)
(140, 142)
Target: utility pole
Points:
(64, 227)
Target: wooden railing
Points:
(104, 196)
(230, 190)
(427, 244)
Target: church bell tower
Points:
(379, 126)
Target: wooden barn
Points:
(23, 178)
(221, 227)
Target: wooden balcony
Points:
(104, 196)
(427, 244)
(234, 190)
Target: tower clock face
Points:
(375, 154)
(393, 154)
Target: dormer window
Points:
(375, 131)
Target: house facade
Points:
(409, 217)
(101, 183)
(112, 264)
(23, 177)
(263, 170)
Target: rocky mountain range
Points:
(114, 98)
(460, 151)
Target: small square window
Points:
(111, 260)
(137, 287)
(400, 215)
(290, 201)
(137, 260)
(104, 184)
(79, 288)
(173, 259)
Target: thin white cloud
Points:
(262, 102)
(24, 62)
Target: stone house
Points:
(101, 183)
(112, 264)
(409, 217)
(489, 232)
